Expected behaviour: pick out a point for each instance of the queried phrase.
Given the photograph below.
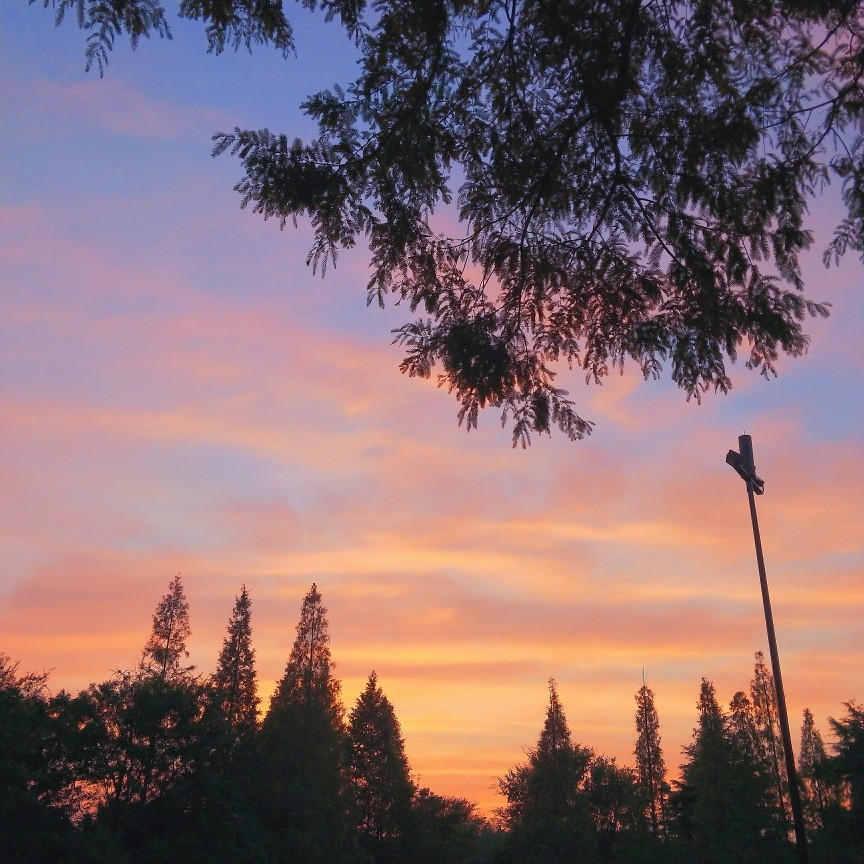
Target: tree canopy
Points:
(630, 177)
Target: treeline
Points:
(159, 764)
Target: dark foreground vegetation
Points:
(160, 764)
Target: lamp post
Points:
(742, 462)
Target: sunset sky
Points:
(179, 393)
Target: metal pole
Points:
(794, 795)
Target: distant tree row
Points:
(160, 764)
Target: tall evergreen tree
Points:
(819, 793)
(378, 773)
(763, 695)
(848, 762)
(720, 805)
(547, 811)
(211, 815)
(175, 789)
(555, 737)
(303, 744)
(650, 767)
(166, 647)
(165, 698)
(743, 728)
(234, 686)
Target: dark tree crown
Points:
(630, 178)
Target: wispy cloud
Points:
(110, 104)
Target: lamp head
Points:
(743, 464)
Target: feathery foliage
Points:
(630, 179)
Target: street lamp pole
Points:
(742, 462)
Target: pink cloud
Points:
(117, 106)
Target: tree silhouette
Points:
(140, 731)
(848, 762)
(616, 810)
(446, 829)
(37, 789)
(631, 178)
(721, 804)
(820, 790)
(547, 812)
(763, 694)
(650, 767)
(378, 772)
(166, 646)
(234, 686)
(302, 748)
(133, 770)
(744, 730)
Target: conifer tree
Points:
(547, 811)
(378, 772)
(308, 674)
(164, 709)
(234, 686)
(720, 804)
(555, 737)
(650, 767)
(848, 762)
(763, 695)
(166, 646)
(214, 811)
(743, 729)
(303, 749)
(818, 792)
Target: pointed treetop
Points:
(556, 733)
(763, 692)
(234, 683)
(711, 719)
(373, 698)
(309, 671)
(812, 753)
(378, 769)
(167, 643)
(742, 726)
(650, 767)
(647, 721)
